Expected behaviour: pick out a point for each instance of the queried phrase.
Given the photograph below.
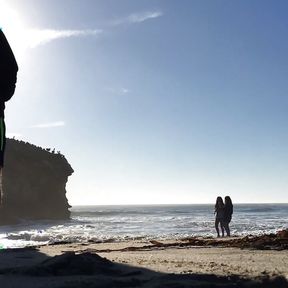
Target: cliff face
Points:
(34, 183)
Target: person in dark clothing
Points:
(8, 78)
(228, 211)
(219, 215)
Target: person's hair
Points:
(228, 201)
(219, 202)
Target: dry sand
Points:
(142, 264)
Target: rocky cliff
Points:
(34, 183)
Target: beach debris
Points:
(157, 243)
(278, 241)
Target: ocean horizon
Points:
(178, 204)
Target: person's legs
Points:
(2, 150)
(226, 225)
(1, 187)
(222, 227)
(227, 228)
(217, 221)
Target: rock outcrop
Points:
(34, 183)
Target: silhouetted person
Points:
(228, 211)
(8, 78)
(219, 215)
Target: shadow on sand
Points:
(29, 268)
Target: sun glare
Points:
(14, 29)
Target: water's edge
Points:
(118, 223)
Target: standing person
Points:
(219, 215)
(228, 211)
(8, 78)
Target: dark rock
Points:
(282, 234)
(34, 183)
(71, 264)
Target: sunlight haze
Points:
(155, 102)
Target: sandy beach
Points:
(194, 262)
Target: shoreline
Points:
(196, 262)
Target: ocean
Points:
(116, 223)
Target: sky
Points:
(155, 102)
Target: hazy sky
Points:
(162, 101)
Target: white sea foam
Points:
(103, 223)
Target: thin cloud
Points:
(139, 17)
(124, 91)
(50, 124)
(118, 91)
(36, 37)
